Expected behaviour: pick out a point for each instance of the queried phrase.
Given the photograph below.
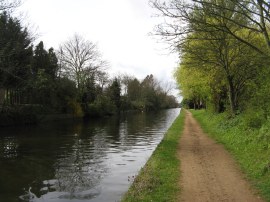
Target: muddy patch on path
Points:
(208, 172)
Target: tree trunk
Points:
(2, 96)
(232, 96)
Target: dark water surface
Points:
(91, 161)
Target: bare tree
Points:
(80, 59)
(125, 79)
(102, 79)
(167, 87)
(6, 5)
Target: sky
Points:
(119, 27)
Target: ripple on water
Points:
(96, 164)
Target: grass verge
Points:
(249, 146)
(158, 179)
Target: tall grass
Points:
(247, 139)
(158, 179)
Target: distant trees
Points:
(146, 95)
(35, 80)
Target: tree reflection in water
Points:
(78, 173)
(76, 161)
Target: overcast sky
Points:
(120, 28)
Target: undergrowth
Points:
(247, 139)
(158, 179)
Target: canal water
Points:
(93, 161)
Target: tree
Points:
(194, 84)
(114, 92)
(219, 37)
(15, 57)
(80, 59)
(102, 78)
(134, 90)
(66, 93)
(228, 16)
(223, 59)
(6, 5)
(45, 60)
(149, 91)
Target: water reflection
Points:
(9, 146)
(91, 161)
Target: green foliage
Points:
(15, 52)
(20, 115)
(158, 180)
(65, 91)
(75, 108)
(264, 134)
(253, 118)
(222, 49)
(102, 106)
(74, 82)
(217, 70)
(44, 60)
(148, 95)
(194, 84)
(114, 93)
(249, 145)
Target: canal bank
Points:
(158, 180)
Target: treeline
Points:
(71, 80)
(224, 49)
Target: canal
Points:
(93, 161)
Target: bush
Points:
(102, 106)
(254, 118)
(20, 114)
(75, 108)
(264, 134)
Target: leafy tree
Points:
(45, 60)
(15, 56)
(91, 90)
(218, 37)
(66, 93)
(228, 60)
(133, 90)
(194, 84)
(114, 92)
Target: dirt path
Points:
(208, 171)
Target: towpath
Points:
(208, 172)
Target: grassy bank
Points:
(249, 145)
(158, 179)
